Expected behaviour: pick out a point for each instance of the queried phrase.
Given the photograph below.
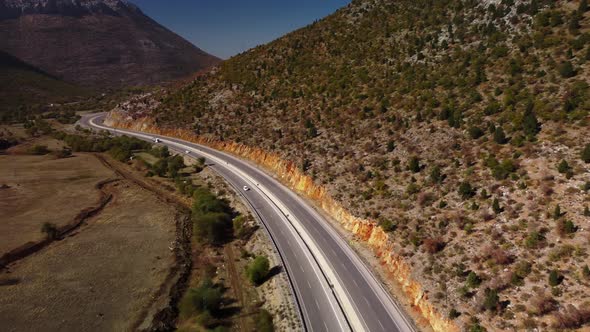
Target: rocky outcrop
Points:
(102, 43)
(366, 230)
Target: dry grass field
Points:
(102, 277)
(44, 189)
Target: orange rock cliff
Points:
(366, 230)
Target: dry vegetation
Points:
(460, 129)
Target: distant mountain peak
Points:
(96, 42)
(16, 8)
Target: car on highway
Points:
(246, 188)
(156, 140)
(187, 151)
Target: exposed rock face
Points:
(366, 230)
(96, 42)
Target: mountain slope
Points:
(96, 42)
(461, 126)
(23, 84)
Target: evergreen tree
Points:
(566, 69)
(563, 167)
(500, 136)
(414, 164)
(554, 278)
(586, 154)
(530, 124)
(496, 206)
(583, 7)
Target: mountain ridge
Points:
(99, 43)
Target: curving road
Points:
(333, 288)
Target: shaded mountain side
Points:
(104, 43)
(25, 85)
(460, 126)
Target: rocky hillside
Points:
(460, 126)
(105, 43)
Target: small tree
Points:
(492, 300)
(500, 136)
(436, 175)
(390, 146)
(530, 124)
(257, 271)
(264, 321)
(466, 190)
(585, 155)
(473, 280)
(50, 230)
(496, 206)
(414, 164)
(554, 278)
(563, 167)
(566, 69)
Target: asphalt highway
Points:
(333, 288)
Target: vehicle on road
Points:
(246, 188)
(187, 151)
(157, 140)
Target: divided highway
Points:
(333, 288)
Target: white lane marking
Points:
(326, 326)
(243, 175)
(383, 328)
(308, 284)
(354, 280)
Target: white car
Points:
(156, 140)
(246, 188)
(187, 151)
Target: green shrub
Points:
(475, 132)
(496, 206)
(500, 136)
(466, 191)
(206, 297)
(566, 69)
(258, 269)
(585, 155)
(533, 239)
(473, 280)
(264, 321)
(388, 225)
(563, 167)
(414, 164)
(491, 300)
(39, 150)
(435, 175)
(554, 278)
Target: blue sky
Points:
(227, 27)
